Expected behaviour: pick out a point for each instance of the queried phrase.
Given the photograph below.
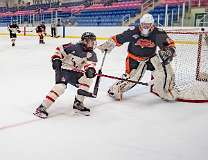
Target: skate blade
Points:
(40, 115)
(168, 100)
(76, 112)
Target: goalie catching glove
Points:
(107, 46)
(167, 55)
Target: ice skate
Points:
(41, 42)
(41, 112)
(79, 108)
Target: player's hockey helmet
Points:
(88, 35)
(89, 40)
(146, 24)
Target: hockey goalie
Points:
(143, 43)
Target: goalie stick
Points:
(113, 77)
(123, 79)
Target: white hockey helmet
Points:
(146, 24)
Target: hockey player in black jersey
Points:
(13, 30)
(41, 31)
(143, 41)
(73, 64)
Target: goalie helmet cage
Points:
(190, 66)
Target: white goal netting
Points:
(191, 65)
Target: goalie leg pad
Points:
(163, 79)
(117, 89)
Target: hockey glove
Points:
(167, 55)
(18, 31)
(107, 46)
(90, 72)
(56, 64)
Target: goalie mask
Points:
(146, 24)
(88, 40)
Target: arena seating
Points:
(94, 15)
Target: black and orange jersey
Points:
(40, 28)
(140, 46)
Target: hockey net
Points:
(191, 65)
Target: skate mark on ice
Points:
(26, 122)
(18, 124)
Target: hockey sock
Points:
(51, 97)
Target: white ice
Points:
(141, 127)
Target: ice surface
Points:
(141, 127)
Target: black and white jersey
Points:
(13, 28)
(74, 57)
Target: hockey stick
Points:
(99, 74)
(123, 79)
(95, 90)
